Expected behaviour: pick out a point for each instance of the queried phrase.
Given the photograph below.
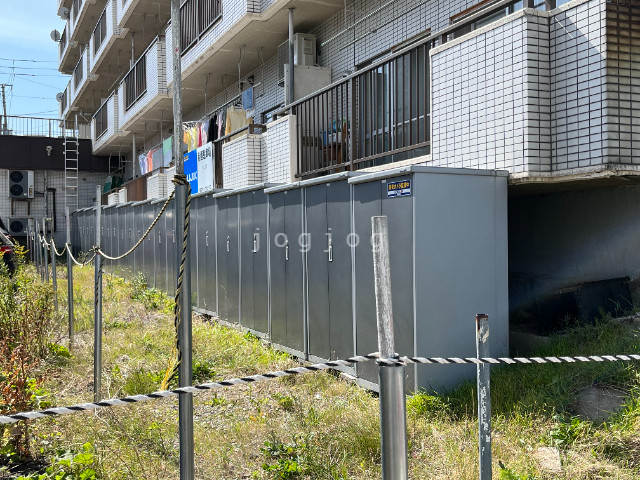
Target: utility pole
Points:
(5, 128)
(183, 268)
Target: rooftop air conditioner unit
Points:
(21, 184)
(304, 53)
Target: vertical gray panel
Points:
(138, 228)
(193, 249)
(149, 267)
(233, 261)
(318, 271)
(260, 259)
(399, 212)
(278, 294)
(222, 257)
(247, 318)
(161, 250)
(340, 295)
(367, 203)
(294, 271)
(207, 223)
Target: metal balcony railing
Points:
(34, 127)
(76, 7)
(377, 115)
(63, 42)
(101, 120)
(135, 82)
(197, 16)
(64, 101)
(78, 72)
(100, 32)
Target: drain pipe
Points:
(291, 67)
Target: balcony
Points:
(80, 77)
(135, 14)
(214, 32)
(143, 97)
(68, 52)
(377, 116)
(105, 126)
(83, 18)
(65, 101)
(105, 34)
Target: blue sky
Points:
(25, 26)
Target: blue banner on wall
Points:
(191, 170)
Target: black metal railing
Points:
(63, 42)
(197, 16)
(78, 72)
(64, 100)
(100, 32)
(75, 10)
(378, 115)
(135, 82)
(101, 120)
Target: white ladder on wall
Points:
(71, 164)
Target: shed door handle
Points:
(206, 238)
(228, 245)
(286, 252)
(330, 250)
(255, 243)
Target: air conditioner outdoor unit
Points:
(304, 53)
(19, 227)
(21, 184)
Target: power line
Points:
(28, 68)
(23, 60)
(40, 83)
(30, 74)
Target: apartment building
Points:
(547, 90)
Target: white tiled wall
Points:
(279, 151)
(577, 49)
(35, 208)
(241, 162)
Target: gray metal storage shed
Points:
(228, 266)
(286, 269)
(448, 241)
(160, 246)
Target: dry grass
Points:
(326, 426)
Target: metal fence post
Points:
(97, 325)
(185, 372)
(38, 252)
(69, 278)
(393, 419)
(54, 274)
(45, 249)
(484, 396)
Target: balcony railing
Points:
(63, 42)
(101, 120)
(378, 115)
(100, 32)
(34, 127)
(64, 101)
(135, 82)
(197, 16)
(78, 72)
(75, 10)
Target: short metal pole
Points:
(393, 419)
(484, 396)
(69, 279)
(39, 253)
(45, 249)
(97, 325)
(54, 274)
(185, 373)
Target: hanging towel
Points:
(222, 119)
(157, 157)
(213, 128)
(204, 132)
(167, 151)
(247, 99)
(150, 161)
(142, 160)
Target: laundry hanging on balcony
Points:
(167, 150)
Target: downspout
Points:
(291, 69)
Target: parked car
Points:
(6, 247)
